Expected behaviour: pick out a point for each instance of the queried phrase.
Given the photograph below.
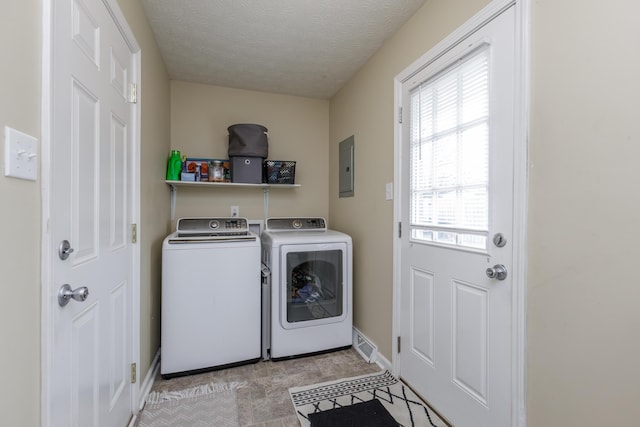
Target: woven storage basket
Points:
(279, 172)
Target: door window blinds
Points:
(449, 155)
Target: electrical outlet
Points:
(235, 211)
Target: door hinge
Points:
(133, 373)
(133, 93)
(134, 233)
(399, 230)
(399, 114)
(399, 345)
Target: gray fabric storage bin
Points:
(248, 140)
(246, 170)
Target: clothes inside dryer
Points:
(314, 285)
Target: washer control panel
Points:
(212, 226)
(296, 224)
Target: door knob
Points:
(498, 271)
(65, 294)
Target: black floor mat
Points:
(365, 414)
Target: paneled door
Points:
(89, 379)
(456, 243)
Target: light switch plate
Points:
(20, 155)
(388, 191)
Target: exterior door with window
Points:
(457, 195)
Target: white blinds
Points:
(449, 155)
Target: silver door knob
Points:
(65, 294)
(498, 272)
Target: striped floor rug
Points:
(210, 405)
(403, 405)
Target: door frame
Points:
(521, 138)
(48, 294)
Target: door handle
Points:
(498, 272)
(65, 294)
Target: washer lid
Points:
(296, 224)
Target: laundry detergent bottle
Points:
(174, 166)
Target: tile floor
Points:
(265, 401)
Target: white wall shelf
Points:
(222, 185)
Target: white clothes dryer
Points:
(211, 296)
(307, 288)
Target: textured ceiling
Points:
(299, 47)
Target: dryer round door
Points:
(314, 285)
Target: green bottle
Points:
(174, 166)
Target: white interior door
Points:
(89, 381)
(457, 194)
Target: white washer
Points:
(211, 296)
(307, 288)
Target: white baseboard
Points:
(149, 379)
(145, 387)
(383, 362)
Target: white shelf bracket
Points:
(174, 194)
(266, 202)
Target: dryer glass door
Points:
(315, 284)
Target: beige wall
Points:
(584, 222)
(20, 89)
(298, 130)
(584, 217)
(364, 108)
(154, 194)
